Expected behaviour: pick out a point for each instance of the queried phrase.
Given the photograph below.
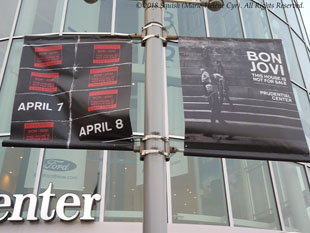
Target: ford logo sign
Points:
(58, 165)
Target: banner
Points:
(238, 100)
(73, 92)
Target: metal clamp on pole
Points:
(146, 37)
(144, 152)
(152, 24)
(148, 137)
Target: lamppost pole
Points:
(155, 148)
(156, 128)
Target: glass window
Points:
(304, 33)
(129, 16)
(279, 11)
(294, 195)
(7, 12)
(14, 163)
(185, 21)
(255, 20)
(198, 193)
(252, 196)
(175, 96)
(39, 16)
(72, 171)
(303, 105)
(124, 188)
(137, 105)
(303, 58)
(8, 87)
(3, 46)
(179, 20)
(137, 88)
(84, 17)
(291, 17)
(281, 31)
(130, 19)
(225, 22)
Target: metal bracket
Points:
(152, 24)
(165, 35)
(152, 136)
(151, 36)
(147, 152)
(146, 37)
(144, 152)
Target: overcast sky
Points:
(306, 14)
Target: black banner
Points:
(238, 100)
(73, 92)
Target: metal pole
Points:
(155, 199)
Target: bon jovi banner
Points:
(73, 92)
(238, 100)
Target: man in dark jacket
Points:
(212, 95)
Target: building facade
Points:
(203, 194)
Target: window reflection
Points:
(9, 85)
(137, 106)
(137, 88)
(175, 97)
(279, 11)
(3, 46)
(294, 194)
(129, 17)
(225, 22)
(185, 21)
(303, 59)
(7, 12)
(252, 197)
(124, 188)
(72, 171)
(39, 16)
(14, 164)
(198, 194)
(84, 17)
(184, 27)
(291, 17)
(255, 21)
(303, 105)
(304, 33)
(281, 31)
